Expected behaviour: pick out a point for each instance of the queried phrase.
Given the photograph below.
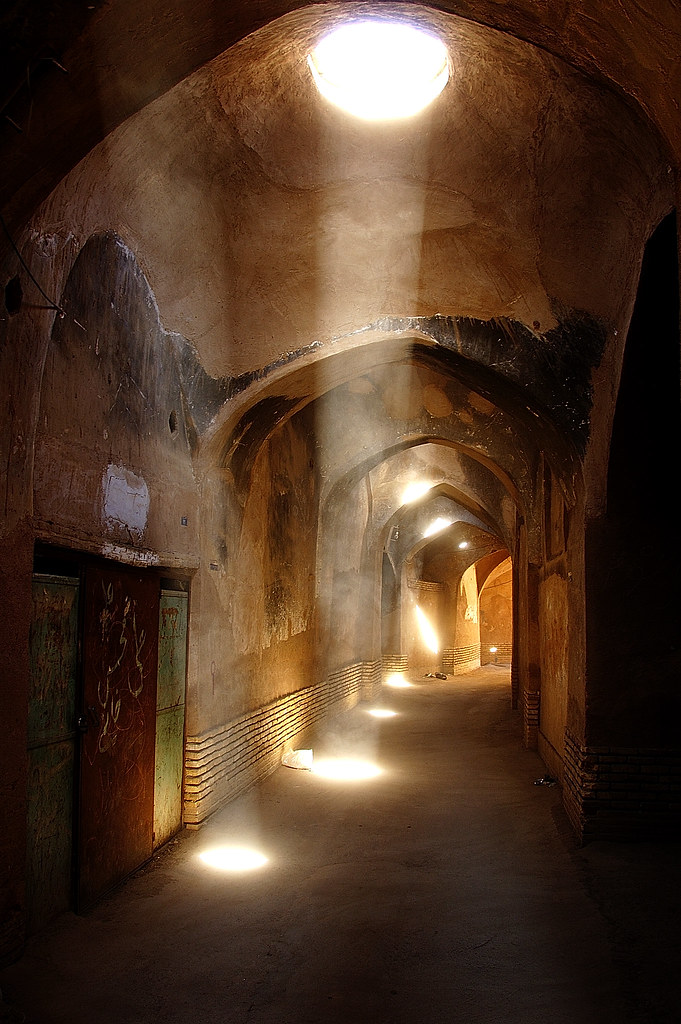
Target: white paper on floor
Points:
(298, 759)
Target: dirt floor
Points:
(447, 888)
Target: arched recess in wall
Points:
(634, 659)
(112, 438)
(495, 581)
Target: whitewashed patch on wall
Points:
(125, 502)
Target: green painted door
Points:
(172, 671)
(51, 748)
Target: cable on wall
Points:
(53, 305)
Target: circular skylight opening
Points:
(380, 70)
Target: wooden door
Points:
(51, 748)
(172, 673)
(118, 726)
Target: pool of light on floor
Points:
(397, 681)
(381, 713)
(345, 769)
(233, 858)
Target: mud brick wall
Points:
(221, 764)
(531, 703)
(622, 792)
(394, 663)
(502, 655)
(461, 659)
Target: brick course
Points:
(622, 792)
(224, 762)
(457, 660)
(531, 704)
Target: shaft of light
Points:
(427, 631)
(415, 491)
(437, 526)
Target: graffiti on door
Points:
(118, 723)
(121, 675)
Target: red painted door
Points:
(118, 725)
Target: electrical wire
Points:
(53, 305)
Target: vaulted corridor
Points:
(296, 394)
(447, 888)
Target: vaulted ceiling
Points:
(72, 72)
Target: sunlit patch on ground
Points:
(397, 681)
(345, 769)
(233, 858)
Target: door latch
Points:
(86, 720)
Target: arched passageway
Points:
(239, 324)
